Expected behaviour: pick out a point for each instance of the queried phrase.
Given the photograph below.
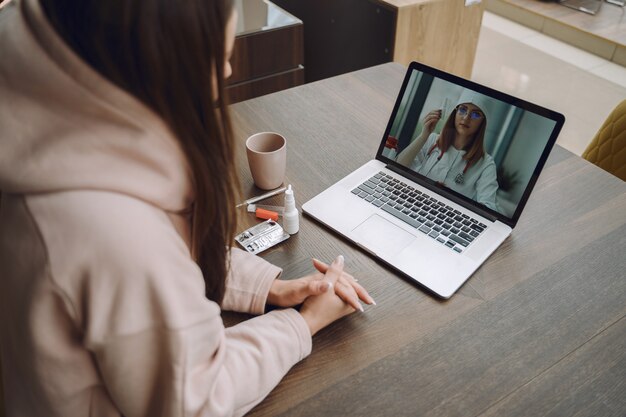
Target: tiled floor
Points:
(540, 69)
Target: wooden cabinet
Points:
(268, 54)
(440, 33)
(343, 35)
(346, 35)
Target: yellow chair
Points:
(2, 412)
(608, 148)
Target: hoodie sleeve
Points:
(422, 154)
(203, 369)
(248, 283)
(159, 345)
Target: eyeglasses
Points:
(463, 111)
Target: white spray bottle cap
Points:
(291, 217)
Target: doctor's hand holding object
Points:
(430, 121)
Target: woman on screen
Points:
(456, 157)
(119, 186)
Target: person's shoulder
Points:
(488, 160)
(101, 216)
(488, 166)
(104, 231)
(108, 246)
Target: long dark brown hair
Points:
(165, 52)
(475, 151)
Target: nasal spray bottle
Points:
(291, 219)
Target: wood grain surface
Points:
(539, 329)
(440, 33)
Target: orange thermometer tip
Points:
(266, 214)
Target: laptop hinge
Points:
(443, 192)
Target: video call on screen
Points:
(513, 141)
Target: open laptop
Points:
(438, 215)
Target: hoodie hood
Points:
(65, 127)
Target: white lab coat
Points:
(479, 182)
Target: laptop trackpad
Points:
(381, 236)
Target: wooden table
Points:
(539, 329)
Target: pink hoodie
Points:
(102, 309)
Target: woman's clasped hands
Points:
(326, 296)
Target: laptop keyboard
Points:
(430, 216)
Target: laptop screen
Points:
(482, 146)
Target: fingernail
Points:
(361, 308)
(374, 302)
(328, 286)
(339, 260)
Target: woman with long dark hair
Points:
(456, 158)
(117, 217)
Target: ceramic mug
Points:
(267, 158)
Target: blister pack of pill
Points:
(262, 236)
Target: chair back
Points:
(608, 148)
(2, 411)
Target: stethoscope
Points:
(460, 177)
